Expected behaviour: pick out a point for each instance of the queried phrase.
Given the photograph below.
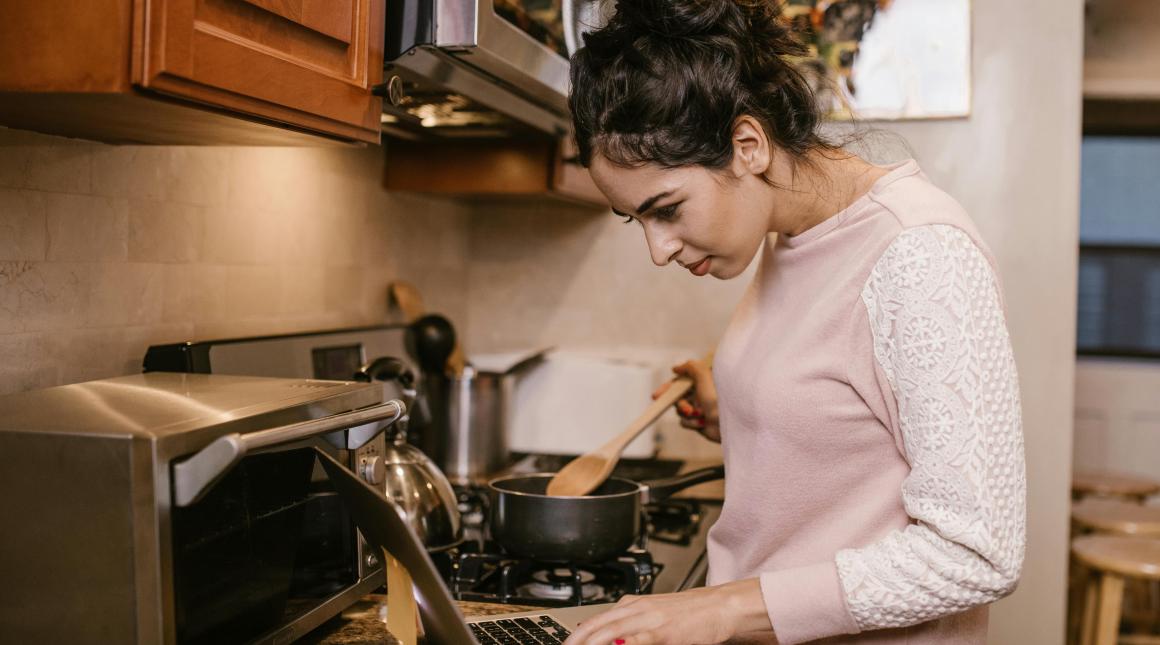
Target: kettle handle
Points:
(387, 368)
(392, 369)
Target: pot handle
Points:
(660, 489)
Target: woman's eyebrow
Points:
(646, 204)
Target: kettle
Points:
(409, 477)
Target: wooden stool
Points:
(1113, 559)
(1132, 487)
(1117, 517)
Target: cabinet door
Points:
(306, 63)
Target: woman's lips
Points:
(700, 268)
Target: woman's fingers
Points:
(693, 424)
(616, 624)
(697, 409)
(696, 616)
(585, 630)
(698, 370)
(702, 374)
(685, 408)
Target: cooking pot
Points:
(525, 521)
(469, 414)
(470, 419)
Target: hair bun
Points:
(665, 81)
(673, 18)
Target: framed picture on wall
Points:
(887, 59)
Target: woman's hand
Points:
(705, 615)
(698, 410)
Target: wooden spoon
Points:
(585, 473)
(457, 360)
(408, 300)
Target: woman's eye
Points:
(628, 219)
(666, 212)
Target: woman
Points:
(864, 391)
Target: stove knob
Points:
(372, 470)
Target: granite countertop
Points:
(364, 622)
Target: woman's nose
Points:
(663, 245)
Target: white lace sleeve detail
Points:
(940, 337)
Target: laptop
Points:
(384, 527)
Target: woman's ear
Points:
(751, 151)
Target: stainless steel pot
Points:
(474, 424)
(470, 417)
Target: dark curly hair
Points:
(665, 81)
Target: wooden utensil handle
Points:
(402, 612)
(677, 389)
(456, 361)
(407, 298)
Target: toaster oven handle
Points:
(193, 476)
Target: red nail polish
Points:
(619, 641)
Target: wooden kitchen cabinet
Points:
(533, 167)
(194, 71)
(1121, 50)
(1121, 69)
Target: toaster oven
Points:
(181, 508)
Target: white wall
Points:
(576, 278)
(1117, 416)
(1015, 166)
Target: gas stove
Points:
(668, 557)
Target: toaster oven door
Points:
(263, 550)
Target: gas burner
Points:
(487, 575)
(675, 521)
(561, 584)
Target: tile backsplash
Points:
(107, 249)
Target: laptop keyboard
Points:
(518, 631)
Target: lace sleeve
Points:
(941, 341)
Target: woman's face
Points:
(709, 222)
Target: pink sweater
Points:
(871, 427)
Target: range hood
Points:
(476, 98)
(479, 68)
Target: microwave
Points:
(182, 508)
(482, 68)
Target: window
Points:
(1119, 265)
